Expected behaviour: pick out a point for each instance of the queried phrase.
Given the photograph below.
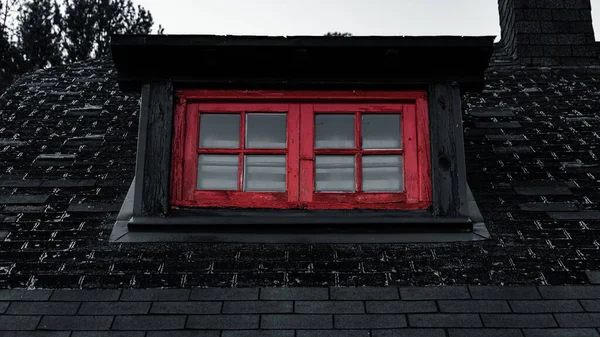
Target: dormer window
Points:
(265, 131)
(355, 150)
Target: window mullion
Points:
(242, 147)
(293, 153)
(358, 145)
(307, 155)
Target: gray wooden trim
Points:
(447, 150)
(154, 149)
(141, 149)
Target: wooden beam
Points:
(154, 149)
(447, 150)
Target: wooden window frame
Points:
(301, 107)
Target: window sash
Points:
(300, 153)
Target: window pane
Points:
(265, 131)
(382, 173)
(334, 173)
(334, 131)
(220, 131)
(381, 131)
(217, 172)
(264, 173)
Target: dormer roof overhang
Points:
(299, 62)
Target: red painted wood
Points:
(293, 153)
(242, 147)
(190, 166)
(423, 151)
(177, 157)
(409, 143)
(300, 145)
(307, 156)
(244, 151)
(301, 95)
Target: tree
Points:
(338, 34)
(88, 25)
(38, 36)
(11, 61)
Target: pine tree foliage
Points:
(38, 36)
(338, 34)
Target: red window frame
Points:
(301, 107)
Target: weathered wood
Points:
(155, 144)
(447, 149)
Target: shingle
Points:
(586, 320)
(498, 125)
(545, 306)
(593, 276)
(108, 334)
(570, 292)
(281, 294)
(560, 333)
(473, 306)
(186, 308)
(43, 308)
(504, 293)
(518, 320)
(484, 333)
(24, 199)
(542, 188)
(491, 112)
(591, 305)
(399, 307)
(24, 295)
(259, 333)
(329, 307)
(94, 208)
(37, 334)
(149, 322)
(296, 321)
(408, 332)
(333, 333)
(257, 307)
(435, 293)
(3, 307)
(155, 295)
(222, 322)
(88, 295)
(16, 323)
(23, 183)
(112, 308)
(68, 183)
(373, 321)
(548, 207)
(75, 323)
(580, 215)
(224, 294)
(185, 333)
(444, 320)
(364, 293)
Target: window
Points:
(308, 150)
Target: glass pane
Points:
(334, 173)
(381, 131)
(334, 131)
(217, 172)
(221, 131)
(264, 173)
(382, 173)
(265, 131)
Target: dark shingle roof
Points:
(68, 141)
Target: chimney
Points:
(548, 32)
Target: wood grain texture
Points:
(448, 173)
(157, 159)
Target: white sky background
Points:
(314, 17)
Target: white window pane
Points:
(381, 131)
(264, 173)
(334, 173)
(221, 131)
(382, 173)
(265, 131)
(217, 172)
(334, 131)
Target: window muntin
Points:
(328, 155)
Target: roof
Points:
(244, 61)
(68, 142)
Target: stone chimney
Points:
(548, 32)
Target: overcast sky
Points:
(316, 17)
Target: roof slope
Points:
(530, 140)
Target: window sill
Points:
(289, 226)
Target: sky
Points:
(317, 17)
